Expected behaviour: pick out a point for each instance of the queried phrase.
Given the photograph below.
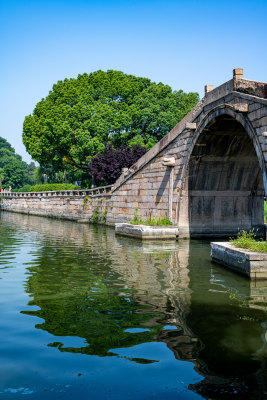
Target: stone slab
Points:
(249, 263)
(147, 232)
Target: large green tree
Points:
(79, 117)
(13, 171)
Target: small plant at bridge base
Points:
(160, 221)
(84, 202)
(104, 217)
(95, 216)
(136, 219)
(150, 221)
(247, 240)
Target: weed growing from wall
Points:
(247, 240)
(95, 216)
(85, 200)
(104, 217)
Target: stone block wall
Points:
(82, 206)
(147, 185)
(148, 189)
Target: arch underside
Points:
(224, 189)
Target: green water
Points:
(89, 315)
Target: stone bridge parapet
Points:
(81, 205)
(101, 190)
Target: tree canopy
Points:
(81, 117)
(78, 300)
(13, 171)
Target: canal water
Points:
(89, 315)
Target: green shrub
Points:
(265, 211)
(136, 219)
(85, 201)
(25, 188)
(158, 221)
(105, 215)
(95, 216)
(247, 240)
(49, 187)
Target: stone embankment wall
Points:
(80, 205)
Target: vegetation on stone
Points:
(81, 117)
(265, 211)
(95, 217)
(247, 240)
(150, 221)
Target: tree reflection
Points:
(89, 284)
(79, 298)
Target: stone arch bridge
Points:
(208, 174)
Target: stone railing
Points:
(238, 84)
(96, 192)
(212, 94)
(253, 88)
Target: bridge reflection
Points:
(92, 285)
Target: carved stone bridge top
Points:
(208, 174)
(243, 91)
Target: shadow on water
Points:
(116, 293)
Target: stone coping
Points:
(250, 255)
(147, 232)
(102, 190)
(249, 263)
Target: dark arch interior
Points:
(225, 185)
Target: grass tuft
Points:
(150, 221)
(247, 240)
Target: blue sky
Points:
(185, 44)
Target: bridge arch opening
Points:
(225, 191)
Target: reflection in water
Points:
(228, 315)
(113, 293)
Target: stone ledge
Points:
(249, 263)
(147, 232)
